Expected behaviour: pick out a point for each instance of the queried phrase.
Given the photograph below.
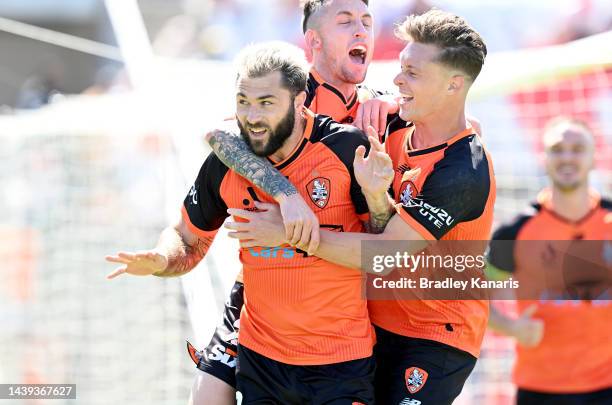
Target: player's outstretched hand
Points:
(265, 228)
(374, 112)
(142, 263)
(301, 223)
(375, 172)
(527, 330)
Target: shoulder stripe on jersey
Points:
(352, 101)
(501, 254)
(510, 230)
(311, 90)
(395, 123)
(292, 157)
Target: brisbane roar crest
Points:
(408, 193)
(415, 379)
(318, 190)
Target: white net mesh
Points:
(70, 200)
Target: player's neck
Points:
(291, 143)
(572, 205)
(324, 71)
(437, 129)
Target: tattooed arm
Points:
(381, 210)
(301, 224)
(177, 252)
(236, 154)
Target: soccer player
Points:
(564, 354)
(339, 35)
(444, 189)
(305, 335)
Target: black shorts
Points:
(219, 357)
(412, 371)
(265, 381)
(601, 397)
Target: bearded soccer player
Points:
(564, 354)
(305, 335)
(339, 35)
(425, 349)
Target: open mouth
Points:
(257, 132)
(358, 54)
(406, 99)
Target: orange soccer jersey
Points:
(451, 199)
(299, 309)
(325, 99)
(575, 354)
(322, 98)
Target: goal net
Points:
(86, 177)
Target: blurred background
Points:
(102, 109)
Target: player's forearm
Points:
(381, 210)
(345, 248)
(182, 257)
(342, 248)
(236, 154)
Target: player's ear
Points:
(300, 99)
(313, 40)
(456, 84)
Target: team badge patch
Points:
(408, 194)
(415, 379)
(318, 190)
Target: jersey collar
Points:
(348, 104)
(416, 152)
(544, 199)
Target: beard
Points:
(277, 137)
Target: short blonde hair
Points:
(565, 122)
(461, 46)
(261, 59)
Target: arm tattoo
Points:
(236, 154)
(182, 258)
(184, 263)
(378, 221)
(381, 211)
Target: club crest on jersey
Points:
(318, 190)
(408, 194)
(415, 379)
